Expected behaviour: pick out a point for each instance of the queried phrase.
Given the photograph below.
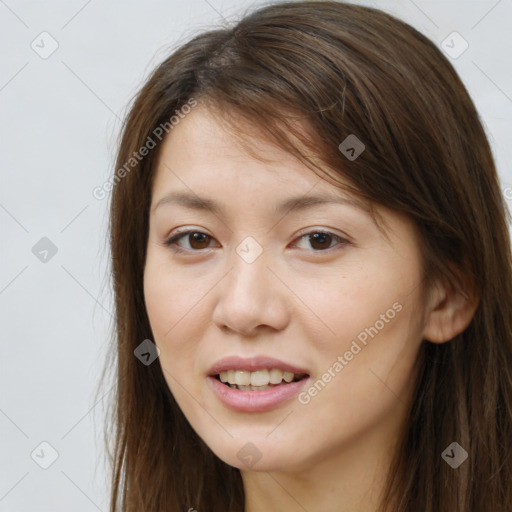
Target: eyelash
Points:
(171, 242)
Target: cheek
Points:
(374, 325)
(172, 296)
(173, 305)
(362, 386)
(342, 305)
(177, 318)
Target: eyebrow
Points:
(195, 202)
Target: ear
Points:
(449, 311)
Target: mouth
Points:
(256, 399)
(255, 384)
(259, 380)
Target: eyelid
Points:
(329, 231)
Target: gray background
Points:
(59, 121)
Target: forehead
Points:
(201, 153)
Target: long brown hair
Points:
(337, 69)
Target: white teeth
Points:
(288, 376)
(242, 378)
(260, 379)
(276, 376)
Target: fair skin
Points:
(301, 301)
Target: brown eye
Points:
(322, 241)
(196, 241)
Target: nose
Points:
(251, 299)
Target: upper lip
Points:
(253, 364)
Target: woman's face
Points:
(268, 287)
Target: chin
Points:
(257, 453)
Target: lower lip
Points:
(255, 401)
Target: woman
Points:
(312, 275)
